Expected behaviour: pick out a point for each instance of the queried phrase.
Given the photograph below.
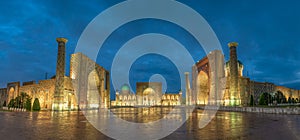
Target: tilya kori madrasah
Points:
(88, 85)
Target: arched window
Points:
(148, 91)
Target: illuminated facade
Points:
(62, 92)
(90, 82)
(44, 91)
(237, 90)
(88, 86)
(147, 94)
(171, 99)
(206, 75)
(125, 97)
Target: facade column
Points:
(188, 89)
(216, 62)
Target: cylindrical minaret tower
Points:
(60, 74)
(233, 74)
(188, 95)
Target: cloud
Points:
(267, 34)
(290, 82)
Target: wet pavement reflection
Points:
(74, 125)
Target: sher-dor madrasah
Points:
(88, 86)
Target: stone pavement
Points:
(225, 125)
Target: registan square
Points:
(149, 69)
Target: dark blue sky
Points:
(267, 31)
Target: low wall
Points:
(14, 109)
(271, 110)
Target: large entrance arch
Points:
(149, 97)
(11, 93)
(148, 93)
(208, 79)
(12, 90)
(201, 82)
(202, 88)
(93, 98)
(90, 81)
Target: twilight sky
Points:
(268, 34)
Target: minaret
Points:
(188, 96)
(233, 74)
(60, 74)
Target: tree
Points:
(21, 101)
(284, 100)
(11, 103)
(279, 97)
(28, 104)
(4, 104)
(18, 102)
(24, 96)
(251, 101)
(289, 100)
(264, 99)
(293, 100)
(36, 105)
